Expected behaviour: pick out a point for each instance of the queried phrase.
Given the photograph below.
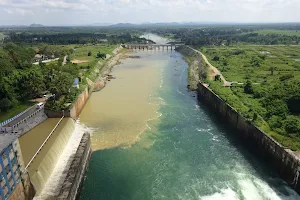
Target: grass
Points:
(14, 111)
(279, 32)
(241, 66)
(81, 52)
(242, 63)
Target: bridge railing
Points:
(15, 117)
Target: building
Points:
(11, 168)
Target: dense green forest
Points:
(21, 81)
(285, 34)
(56, 36)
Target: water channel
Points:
(153, 140)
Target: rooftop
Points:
(6, 139)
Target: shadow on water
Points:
(117, 176)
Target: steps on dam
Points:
(30, 123)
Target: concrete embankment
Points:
(195, 66)
(76, 172)
(280, 159)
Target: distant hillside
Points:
(36, 25)
(123, 25)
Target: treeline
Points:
(73, 38)
(226, 36)
(21, 81)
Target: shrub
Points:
(275, 122)
(286, 77)
(248, 87)
(276, 107)
(5, 104)
(292, 125)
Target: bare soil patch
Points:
(79, 61)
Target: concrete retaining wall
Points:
(79, 104)
(280, 159)
(75, 109)
(30, 122)
(73, 182)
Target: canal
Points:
(153, 140)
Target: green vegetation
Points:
(234, 35)
(80, 52)
(1, 36)
(13, 111)
(279, 32)
(20, 81)
(76, 35)
(268, 91)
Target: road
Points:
(30, 111)
(213, 68)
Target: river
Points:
(153, 140)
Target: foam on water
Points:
(57, 177)
(224, 194)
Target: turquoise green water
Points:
(193, 155)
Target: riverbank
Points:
(100, 73)
(284, 161)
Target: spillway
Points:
(45, 161)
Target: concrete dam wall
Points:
(280, 159)
(75, 175)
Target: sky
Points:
(86, 12)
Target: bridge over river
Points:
(153, 46)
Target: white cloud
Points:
(135, 11)
(24, 11)
(8, 11)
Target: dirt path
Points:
(65, 60)
(214, 69)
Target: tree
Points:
(101, 55)
(272, 70)
(217, 77)
(31, 83)
(248, 88)
(292, 125)
(5, 104)
(89, 53)
(61, 83)
(276, 107)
